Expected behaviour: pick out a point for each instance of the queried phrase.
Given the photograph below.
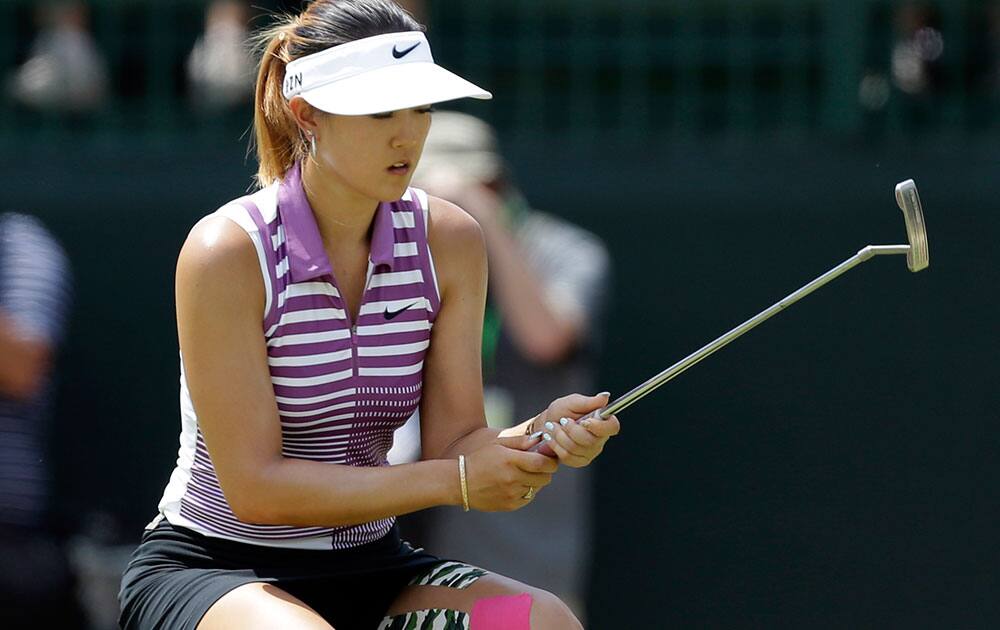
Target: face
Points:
(375, 155)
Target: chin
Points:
(393, 193)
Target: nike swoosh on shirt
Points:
(392, 314)
(399, 54)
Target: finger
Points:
(576, 432)
(535, 463)
(575, 404)
(563, 438)
(602, 428)
(533, 480)
(571, 447)
(519, 442)
(566, 457)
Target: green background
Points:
(836, 467)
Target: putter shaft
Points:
(666, 375)
(625, 401)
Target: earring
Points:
(312, 145)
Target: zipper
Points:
(353, 326)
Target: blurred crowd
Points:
(916, 68)
(65, 68)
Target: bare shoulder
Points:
(453, 234)
(218, 259)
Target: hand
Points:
(504, 476)
(576, 444)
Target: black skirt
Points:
(176, 574)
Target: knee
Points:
(550, 612)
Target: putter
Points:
(917, 259)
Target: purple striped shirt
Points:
(342, 387)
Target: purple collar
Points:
(306, 257)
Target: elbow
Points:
(259, 512)
(251, 512)
(250, 501)
(24, 380)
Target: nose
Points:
(411, 128)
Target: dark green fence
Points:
(594, 72)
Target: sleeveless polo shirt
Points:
(342, 387)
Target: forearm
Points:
(470, 442)
(304, 493)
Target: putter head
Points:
(916, 230)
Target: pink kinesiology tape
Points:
(507, 612)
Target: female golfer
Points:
(313, 321)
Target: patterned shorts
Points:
(448, 574)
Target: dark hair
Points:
(323, 24)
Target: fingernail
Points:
(534, 436)
(608, 394)
(586, 424)
(547, 437)
(564, 421)
(550, 426)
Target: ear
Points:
(306, 116)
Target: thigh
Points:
(262, 606)
(547, 610)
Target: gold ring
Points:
(530, 494)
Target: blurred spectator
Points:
(65, 71)
(916, 54)
(221, 67)
(36, 582)
(548, 288)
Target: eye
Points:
(382, 116)
(430, 109)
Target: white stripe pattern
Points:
(310, 359)
(313, 380)
(403, 220)
(393, 371)
(312, 400)
(394, 327)
(404, 250)
(397, 279)
(304, 289)
(389, 351)
(340, 393)
(307, 338)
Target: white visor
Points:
(374, 75)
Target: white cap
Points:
(376, 74)
(459, 144)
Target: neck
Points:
(342, 213)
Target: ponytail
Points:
(279, 142)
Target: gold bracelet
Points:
(465, 484)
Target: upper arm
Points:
(452, 403)
(220, 301)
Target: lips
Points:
(401, 167)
